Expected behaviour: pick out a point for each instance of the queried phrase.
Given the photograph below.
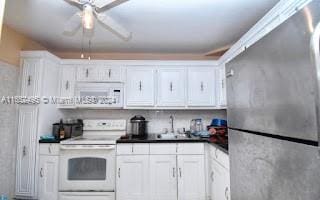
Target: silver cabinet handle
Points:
(226, 193)
(216, 153)
(230, 73)
(171, 86)
(140, 85)
(24, 151)
(29, 80)
(132, 148)
(41, 172)
(119, 172)
(173, 172)
(180, 174)
(87, 73)
(201, 86)
(212, 176)
(222, 83)
(67, 85)
(49, 149)
(109, 74)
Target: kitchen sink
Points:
(172, 136)
(167, 136)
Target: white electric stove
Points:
(87, 162)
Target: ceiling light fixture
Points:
(87, 17)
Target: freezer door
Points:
(271, 86)
(264, 168)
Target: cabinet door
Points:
(201, 86)
(67, 84)
(220, 178)
(132, 177)
(222, 87)
(26, 151)
(88, 73)
(140, 87)
(30, 77)
(110, 74)
(163, 177)
(48, 180)
(191, 177)
(171, 87)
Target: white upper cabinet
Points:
(110, 74)
(132, 177)
(67, 83)
(88, 73)
(201, 86)
(30, 77)
(98, 73)
(172, 87)
(222, 91)
(191, 177)
(140, 87)
(163, 177)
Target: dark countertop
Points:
(152, 138)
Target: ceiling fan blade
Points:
(73, 24)
(74, 1)
(114, 27)
(106, 3)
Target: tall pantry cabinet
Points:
(39, 78)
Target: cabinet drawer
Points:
(132, 149)
(219, 156)
(190, 148)
(163, 149)
(49, 149)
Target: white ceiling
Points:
(158, 26)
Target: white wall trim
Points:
(140, 62)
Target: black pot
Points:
(138, 126)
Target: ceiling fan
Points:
(91, 9)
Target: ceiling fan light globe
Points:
(88, 17)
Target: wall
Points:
(9, 77)
(158, 120)
(135, 56)
(12, 42)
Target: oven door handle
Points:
(87, 147)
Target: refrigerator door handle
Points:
(315, 49)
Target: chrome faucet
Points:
(171, 122)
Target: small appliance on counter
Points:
(138, 126)
(196, 126)
(72, 128)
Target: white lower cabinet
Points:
(218, 174)
(132, 177)
(48, 172)
(48, 182)
(220, 182)
(191, 181)
(163, 177)
(156, 176)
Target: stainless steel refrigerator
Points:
(273, 113)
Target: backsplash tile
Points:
(158, 120)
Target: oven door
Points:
(87, 168)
